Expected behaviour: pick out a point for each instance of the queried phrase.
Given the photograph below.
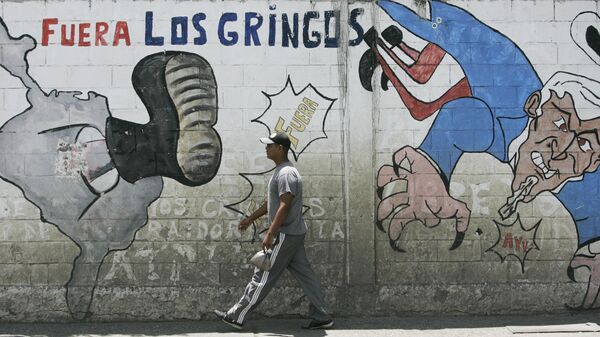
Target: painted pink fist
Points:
(413, 190)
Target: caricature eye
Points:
(584, 144)
(561, 124)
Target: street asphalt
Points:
(580, 324)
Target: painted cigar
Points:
(511, 203)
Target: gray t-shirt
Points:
(285, 179)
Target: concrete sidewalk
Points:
(444, 326)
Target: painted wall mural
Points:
(547, 132)
(466, 130)
(93, 176)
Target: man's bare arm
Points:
(246, 222)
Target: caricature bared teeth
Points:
(538, 160)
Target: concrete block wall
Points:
(92, 227)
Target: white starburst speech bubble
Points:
(301, 115)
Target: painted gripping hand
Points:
(413, 190)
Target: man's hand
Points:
(413, 190)
(247, 221)
(244, 224)
(267, 242)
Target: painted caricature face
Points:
(559, 145)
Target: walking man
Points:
(284, 241)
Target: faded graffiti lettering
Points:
(316, 208)
(167, 206)
(120, 263)
(329, 231)
(477, 200)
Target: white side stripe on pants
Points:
(263, 280)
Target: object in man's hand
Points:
(261, 261)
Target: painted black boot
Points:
(179, 92)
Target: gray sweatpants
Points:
(288, 252)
